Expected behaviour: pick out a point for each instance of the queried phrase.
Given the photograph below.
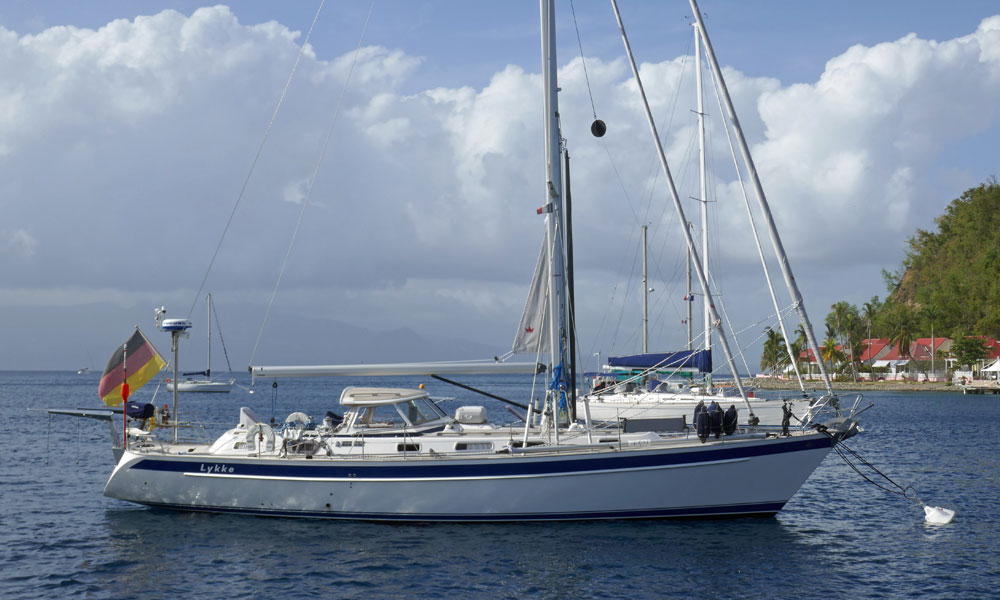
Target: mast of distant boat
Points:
(645, 295)
(208, 367)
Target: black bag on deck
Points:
(730, 420)
(702, 423)
(715, 413)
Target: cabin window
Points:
(349, 443)
(520, 444)
(407, 447)
(473, 446)
(380, 417)
(429, 408)
(414, 415)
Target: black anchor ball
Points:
(598, 128)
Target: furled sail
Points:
(530, 337)
(700, 360)
(132, 365)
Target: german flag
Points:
(143, 362)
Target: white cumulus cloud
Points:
(123, 151)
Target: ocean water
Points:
(839, 537)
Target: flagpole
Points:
(124, 396)
(174, 340)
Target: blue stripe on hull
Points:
(746, 510)
(522, 466)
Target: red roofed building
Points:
(927, 359)
(875, 348)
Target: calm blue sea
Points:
(839, 537)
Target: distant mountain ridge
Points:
(78, 335)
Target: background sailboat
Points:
(207, 384)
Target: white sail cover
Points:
(530, 337)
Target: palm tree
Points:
(801, 343)
(857, 349)
(868, 312)
(902, 328)
(931, 313)
(831, 353)
(774, 355)
(845, 322)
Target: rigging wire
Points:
(253, 163)
(653, 178)
(312, 179)
(621, 314)
(218, 325)
(582, 59)
(654, 174)
(654, 167)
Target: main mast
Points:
(553, 190)
(703, 193)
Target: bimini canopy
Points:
(682, 359)
(364, 396)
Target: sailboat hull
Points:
(729, 478)
(658, 405)
(195, 385)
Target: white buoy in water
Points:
(938, 515)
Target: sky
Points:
(387, 211)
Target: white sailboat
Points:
(412, 463)
(665, 385)
(205, 384)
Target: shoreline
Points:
(765, 383)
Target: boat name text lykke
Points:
(216, 468)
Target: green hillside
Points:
(952, 275)
(947, 286)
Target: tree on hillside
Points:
(968, 350)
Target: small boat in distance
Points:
(207, 384)
(201, 385)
